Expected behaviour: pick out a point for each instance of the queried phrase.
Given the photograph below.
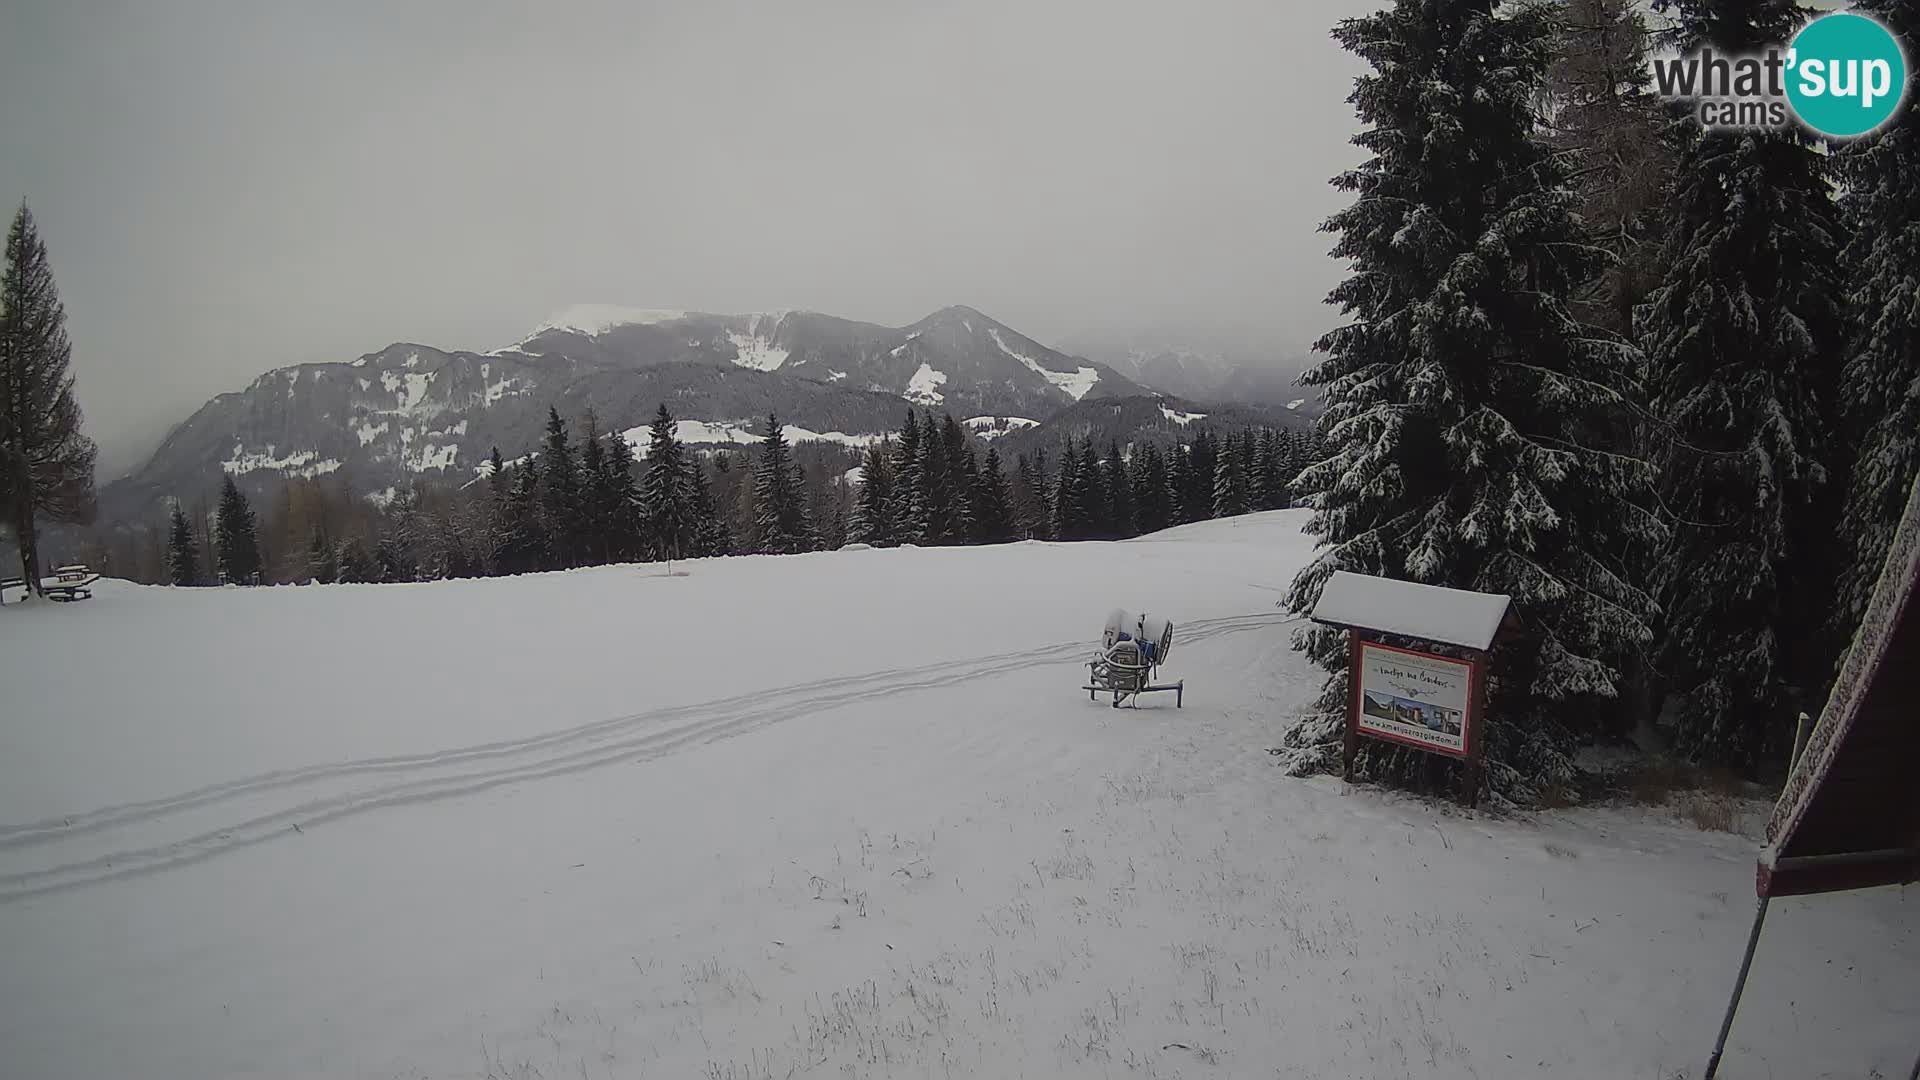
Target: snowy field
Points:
(836, 815)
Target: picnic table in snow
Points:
(68, 583)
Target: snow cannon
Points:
(1132, 648)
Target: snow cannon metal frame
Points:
(1132, 648)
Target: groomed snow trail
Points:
(240, 813)
(842, 815)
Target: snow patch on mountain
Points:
(1074, 384)
(301, 463)
(1181, 417)
(902, 347)
(754, 351)
(992, 427)
(923, 388)
(596, 319)
(741, 433)
(368, 432)
(1296, 403)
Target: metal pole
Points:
(1739, 985)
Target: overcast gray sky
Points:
(229, 187)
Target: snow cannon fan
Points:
(1132, 648)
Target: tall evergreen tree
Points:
(1180, 485)
(992, 502)
(779, 505)
(523, 543)
(1880, 390)
(873, 508)
(666, 495)
(236, 544)
(962, 468)
(496, 477)
(1152, 508)
(560, 495)
(597, 496)
(1096, 500)
(1069, 497)
(625, 519)
(46, 463)
(937, 495)
(1743, 336)
(1119, 494)
(711, 536)
(1459, 390)
(1203, 463)
(183, 555)
(1230, 479)
(1028, 500)
(909, 514)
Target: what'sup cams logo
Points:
(1842, 75)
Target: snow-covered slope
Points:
(778, 816)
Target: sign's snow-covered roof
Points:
(1429, 612)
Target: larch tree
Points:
(1460, 386)
(46, 462)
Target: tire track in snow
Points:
(538, 757)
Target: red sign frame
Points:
(1472, 745)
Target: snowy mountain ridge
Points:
(412, 410)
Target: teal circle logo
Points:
(1846, 75)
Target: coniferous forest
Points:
(584, 497)
(1657, 383)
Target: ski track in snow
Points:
(664, 731)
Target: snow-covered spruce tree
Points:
(1743, 338)
(523, 541)
(1230, 479)
(1119, 493)
(1880, 384)
(1203, 461)
(560, 495)
(622, 492)
(993, 502)
(1151, 508)
(1030, 518)
(666, 494)
(935, 498)
(183, 555)
(1459, 387)
(236, 542)
(46, 463)
(962, 468)
(596, 495)
(909, 496)
(780, 518)
(1069, 497)
(872, 520)
(1099, 501)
